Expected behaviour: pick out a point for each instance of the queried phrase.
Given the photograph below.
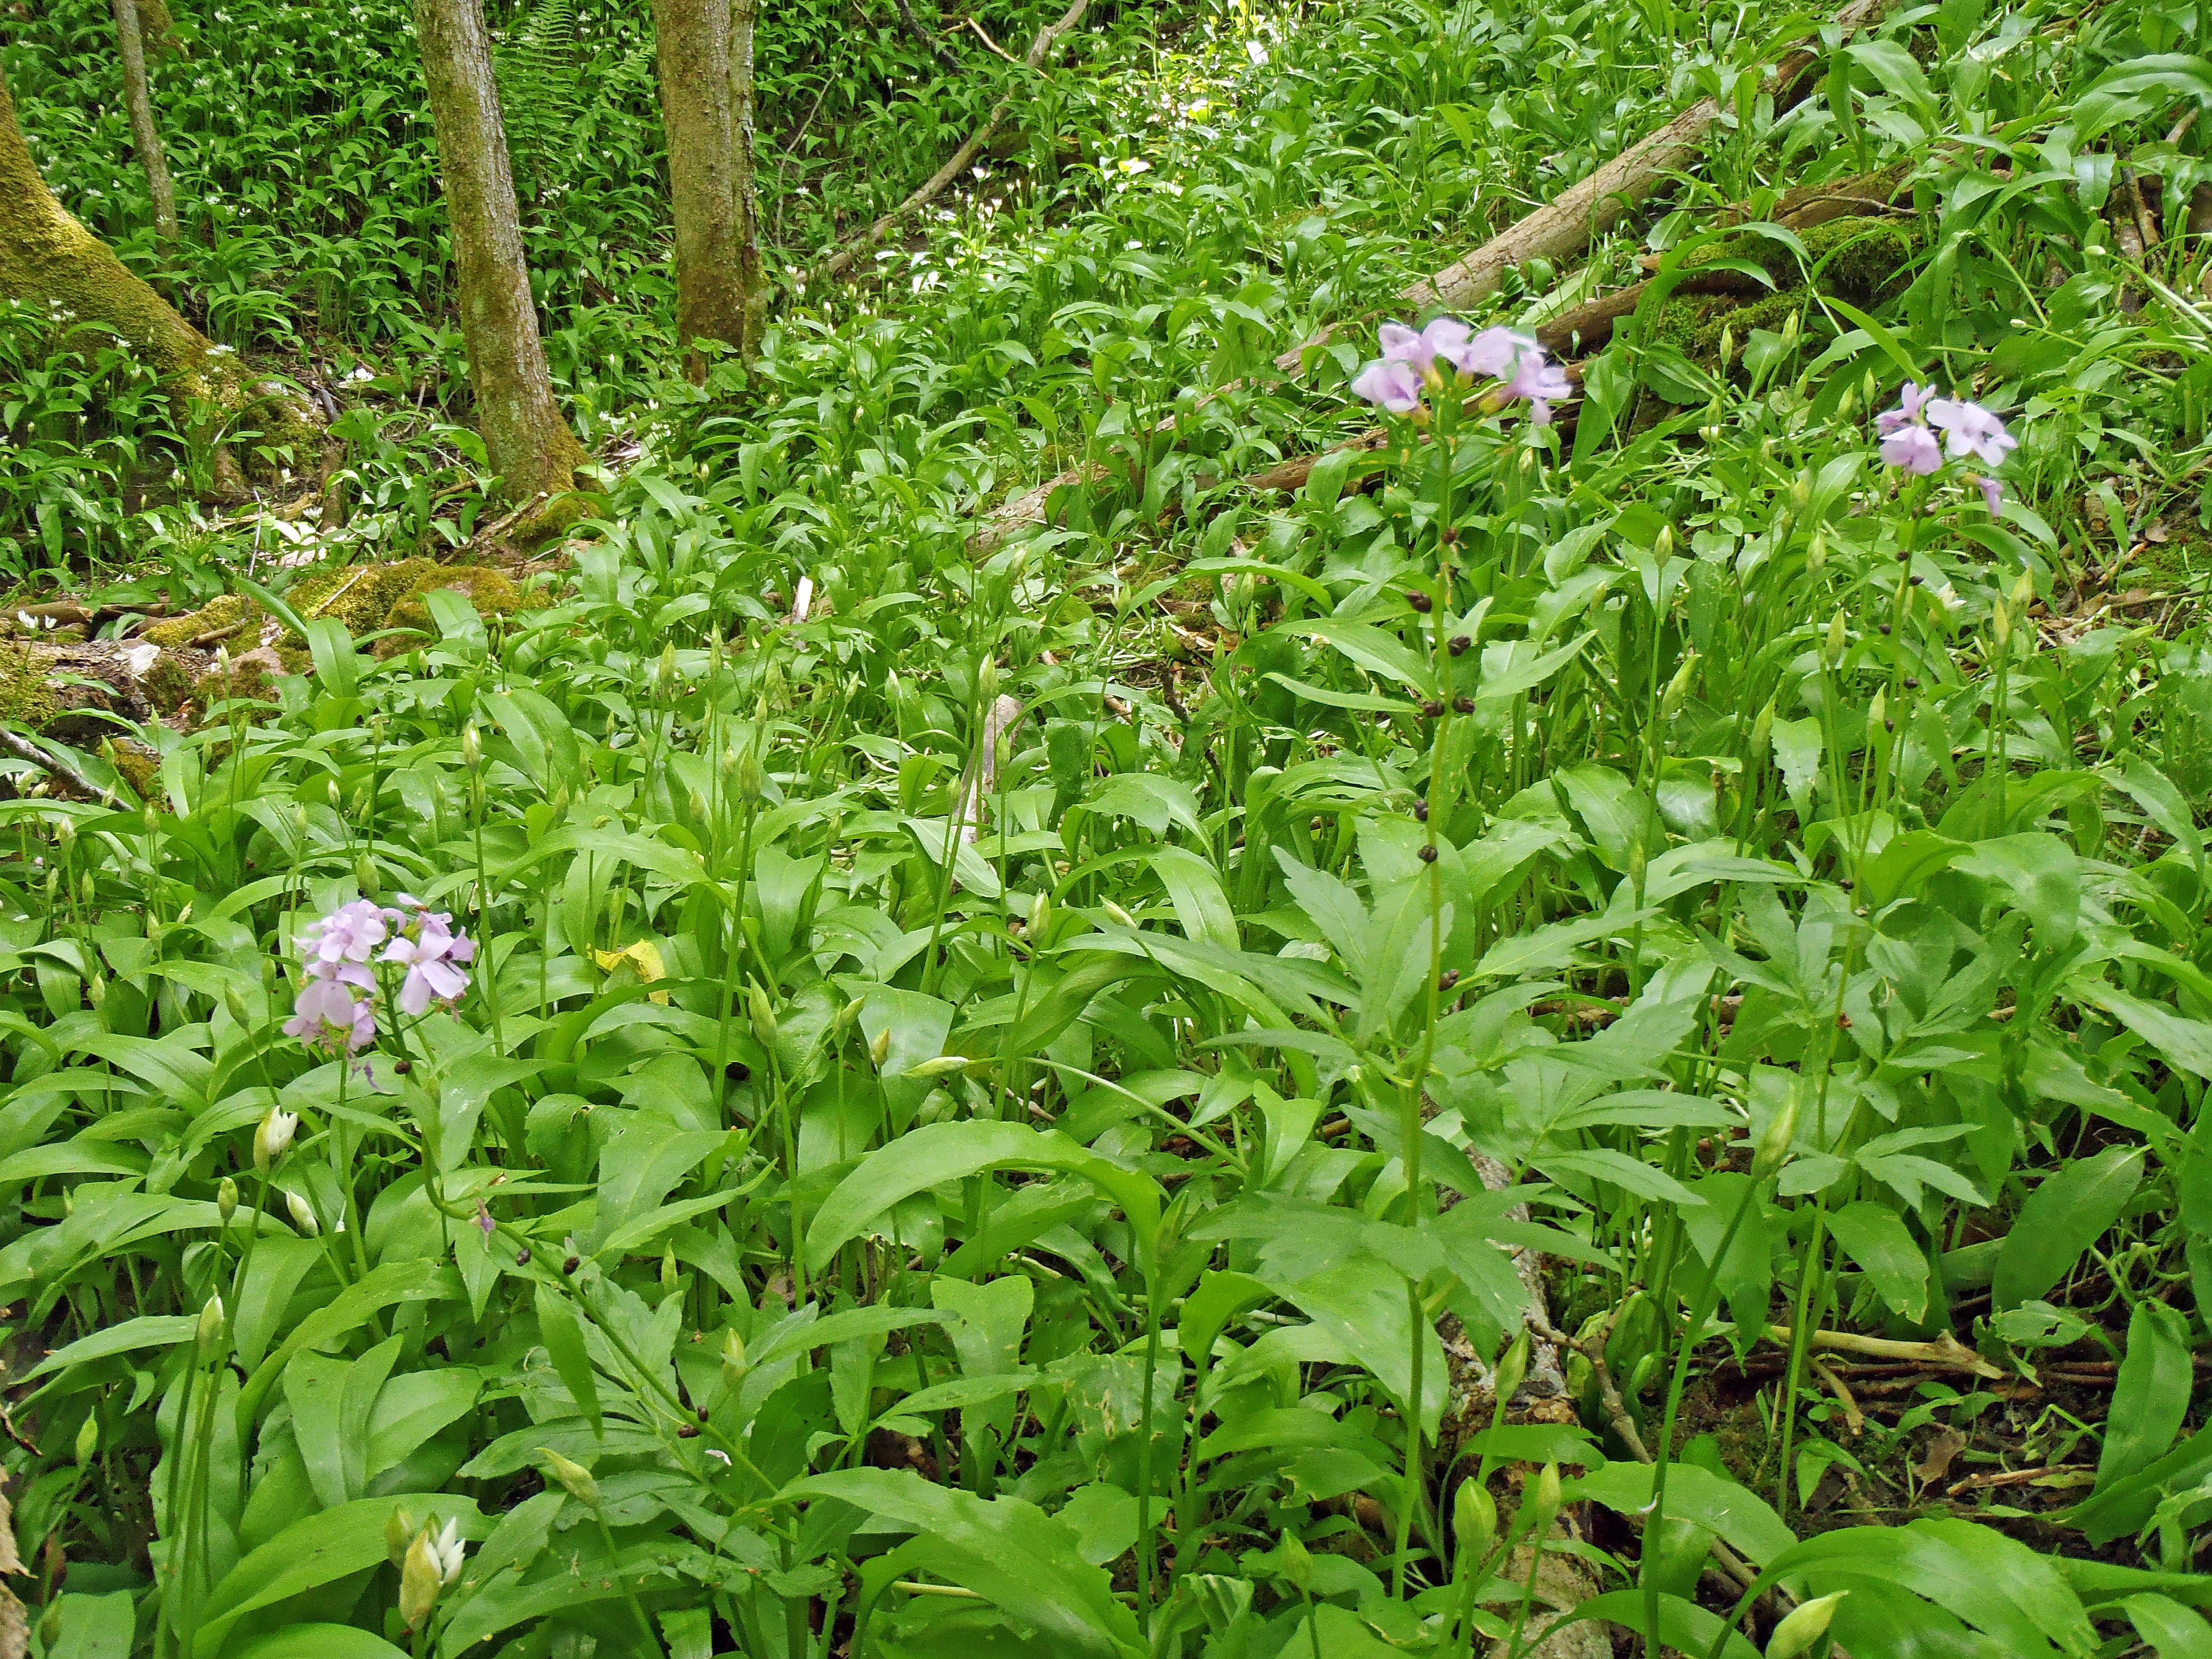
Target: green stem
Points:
(1663, 1453)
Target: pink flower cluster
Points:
(1909, 441)
(336, 1008)
(1410, 359)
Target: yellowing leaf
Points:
(644, 955)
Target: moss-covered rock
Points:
(228, 611)
(491, 593)
(246, 681)
(1864, 260)
(168, 685)
(25, 695)
(365, 599)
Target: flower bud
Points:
(734, 1363)
(1832, 650)
(1544, 1502)
(420, 1581)
(95, 989)
(764, 1013)
(2001, 624)
(669, 1281)
(1118, 913)
(573, 1475)
(1762, 734)
(1877, 710)
(303, 1214)
(987, 686)
(398, 1532)
(471, 747)
(880, 1049)
(1475, 1519)
(1678, 689)
(751, 783)
(240, 1015)
(1773, 1149)
(365, 877)
(666, 669)
(1806, 1624)
(211, 1328)
(226, 1200)
(273, 1138)
(1511, 1370)
(87, 1438)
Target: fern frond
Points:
(538, 82)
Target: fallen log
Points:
(1567, 225)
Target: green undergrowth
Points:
(993, 1111)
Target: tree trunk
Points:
(744, 15)
(138, 99)
(48, 257)
(691, 39)
(528, 441)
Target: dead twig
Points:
(1945, 1352)
(2013, 1478)
(61, 771)
(1854, 1419)
(982, 35)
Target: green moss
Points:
(1859, 260)
(492, 592)
(139, 766)
(168, 685)
(226, 611)
(24, 694)
(248, 680)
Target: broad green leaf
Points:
(1874, 1237)
(1009, 1552)
(1734, 1513)
(2150, 1400)
(562, 1333)
(318, 1642)
(2174, 1630)
(939, 1152)
(2063, 1217)
(312, 1552)
(146, 1331)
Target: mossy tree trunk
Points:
(138, 99)
(47, 257)
(743, 16)
(691, 39)
(528, 440)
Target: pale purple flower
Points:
(1395, 385)
(1914, 448)
(1909, 397)
(1993, 493)
(431, 952)
(486, 1224)
(1973, 430)
(349, 934)
(328, 1015)
(1539, 381)
(1493, 352)
(1418, 348)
